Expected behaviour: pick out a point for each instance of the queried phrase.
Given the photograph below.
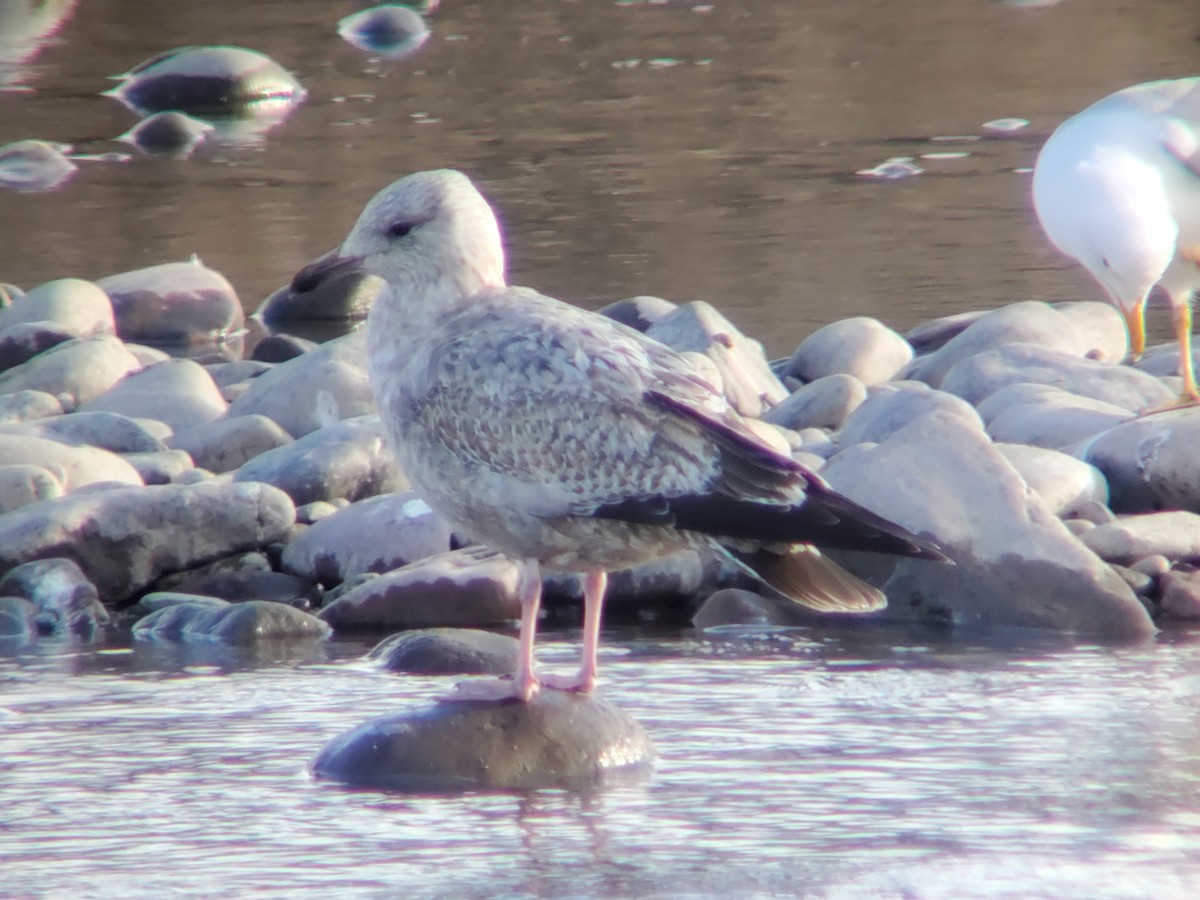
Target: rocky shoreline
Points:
(242, 500)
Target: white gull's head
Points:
(429, 231)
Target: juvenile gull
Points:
(568, 441)
(1117, 187)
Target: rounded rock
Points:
(447, 651)
(862, 347)
(174, 303)
(558, 739)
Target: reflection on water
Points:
(696, 151)
(792, 762)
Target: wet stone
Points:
(300, 394)
(22, 342)
(373, 535)
(349, 459)
(171, 132)
(469, 588)
(447, 651)
(18, 619)
(78, 308)
(22, 484)
(65, 600)
(79, 465)
(234, 623)
(1175, 535)
(639, 313)
(27, 405)
(861, 347)
(277, 348)
(106, 532)
(824, 403)
(81, 369)
(558, 739)
(178, 392)
(1181, 594)
(175, 303)
(106, 430)
(229, 443)
(240, 586)
(34, 166)
(340, 296)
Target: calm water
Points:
(693, 151)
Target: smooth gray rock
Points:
(558, 739)
(173, 133)
(471, 587)
(936, 333)
(1063, 482)
(1181, 594)
(174, 303)
(349, 459)
(234, 623)
(1162, 360)
(824, 403)
(862, 347)
(1016, 564)
(660, 585)
(178, 392)
(891, 407)
(746, 377)
(1150, 462)
(1047, 416)
(106, 430)
(25, 483)
(237, 371)
(1027, 323)
(447, 651)
(277, 348)
(231, 442)
(303, 394)
(214, 81)
(32, 165)
(377, 534)
(160, 466)
(1100, 328)
(1175, 535)
(80, 308)
(639, 313)
(344, 296)
(18, 619)
(21, 343)
(240, 586)
(156, 600)
(80, 466)
(126, 538)
(27, 405)
(65, 600)
(81, 369)
(978, 377)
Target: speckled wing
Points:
(548, 405)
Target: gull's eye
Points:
(399, 229)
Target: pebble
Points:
(179, 393)
(64, 599)
(1175, 535)
(25, 483)
(229, 623)
(1150, 462)
(80, 308)
(824, 403)
(34, 166)
(171, 132)
(79, 368)
(1181, 594)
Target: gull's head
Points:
(428, 232)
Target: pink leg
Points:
(584, 681)
(524, 683)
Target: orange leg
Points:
(1135, 322)
(1182, 314)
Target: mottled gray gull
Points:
(567, 441)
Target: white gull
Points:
(568, 441)
(1117, 187)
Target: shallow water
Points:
(697, 151)
(791, 763)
